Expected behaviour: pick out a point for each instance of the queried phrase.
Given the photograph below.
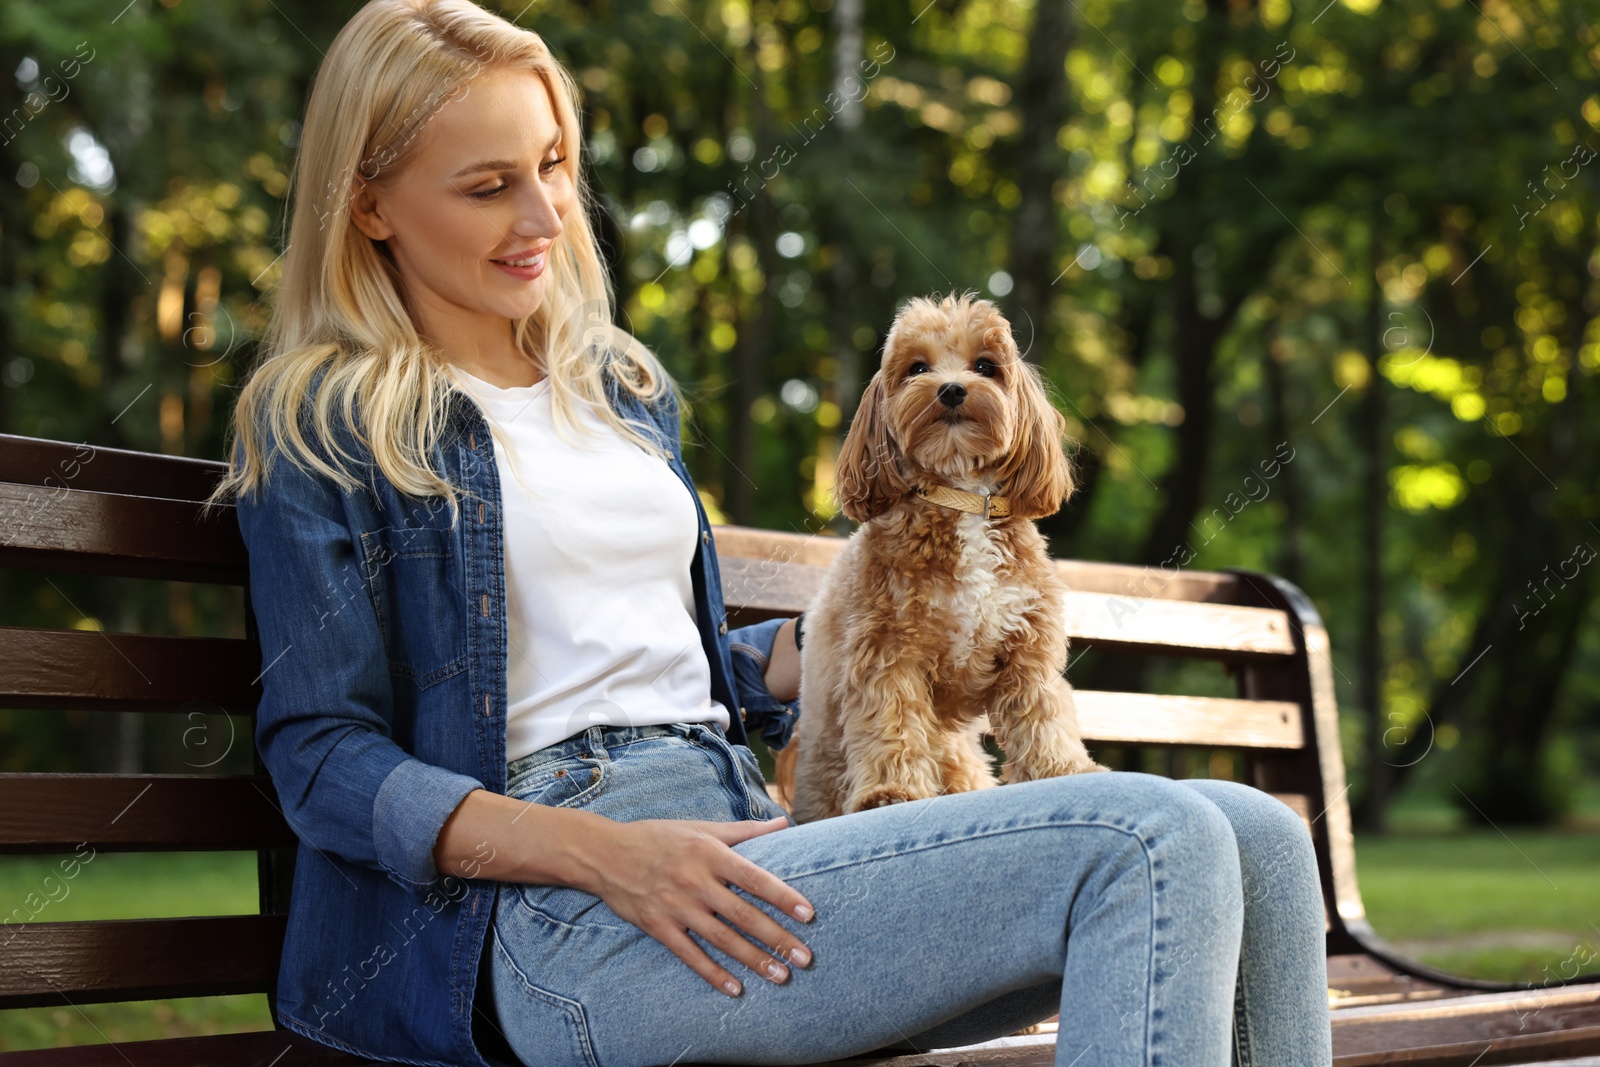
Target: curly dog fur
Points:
(934, 624)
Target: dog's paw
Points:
(878, 797)
(1082, 765)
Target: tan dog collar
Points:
(995, 507)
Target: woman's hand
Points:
(669, 876)
(665, 876)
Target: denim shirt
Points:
(383, 638)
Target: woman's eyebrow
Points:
(500, 164)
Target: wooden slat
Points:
(106, 533)
(56, 464)
(1157, 583)
(761, 589)
(259, 1048)
(141, 812)
(95, 669)
(818, 550)
(1140, 624)
(778, 546)
(53, 964)
(1152, 583)
(1357, 980)
(1142, 718)
(1483, 1028)
(757, 589)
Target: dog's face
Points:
(953, 398)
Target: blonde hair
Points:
(338, 324)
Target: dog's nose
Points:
(951, 394)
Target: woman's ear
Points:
(1036, 477)
(364, 213)
(869, 476)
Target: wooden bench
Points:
(73, 508)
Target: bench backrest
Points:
(76, 508)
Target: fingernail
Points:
(803, 912)
(732, 987)
(800, 956)
(776, 971)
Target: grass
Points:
(1519, 906)
(1523, 905)
(128, 886)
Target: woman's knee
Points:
(1161, 812)
(1273, 841)
(1252, 812)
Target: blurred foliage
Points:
(1315, 286)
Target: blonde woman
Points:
(505, 715)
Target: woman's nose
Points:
(540, 216)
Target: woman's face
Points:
(485, 188)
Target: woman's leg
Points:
(1281, 998)
(925, 911)
(1280, 994)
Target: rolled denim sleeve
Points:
(764, 713)
(324, 726)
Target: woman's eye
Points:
(487, 193)
(985, 367)
(552, 164)
(916, 368)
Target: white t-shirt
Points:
(600, 611)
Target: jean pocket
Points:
(567, 783)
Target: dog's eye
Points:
(916, 368)
(986, 367)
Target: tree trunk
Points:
(1374, 800)
(847, 382)
(1194, 336)
(1036, 228)
(1291, 557)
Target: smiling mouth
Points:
(530, 261)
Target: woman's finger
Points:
(730, 941)
(757, 923)
(743, 830)
(763, 884)
(681, 945)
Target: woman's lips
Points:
(527, 273)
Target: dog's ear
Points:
(1037, 476)
(869, 476)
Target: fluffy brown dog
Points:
(944, 607)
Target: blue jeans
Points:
(1168, 922)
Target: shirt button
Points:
(705, 537)
(742, 715)
(722, 629)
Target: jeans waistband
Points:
(599, 738)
